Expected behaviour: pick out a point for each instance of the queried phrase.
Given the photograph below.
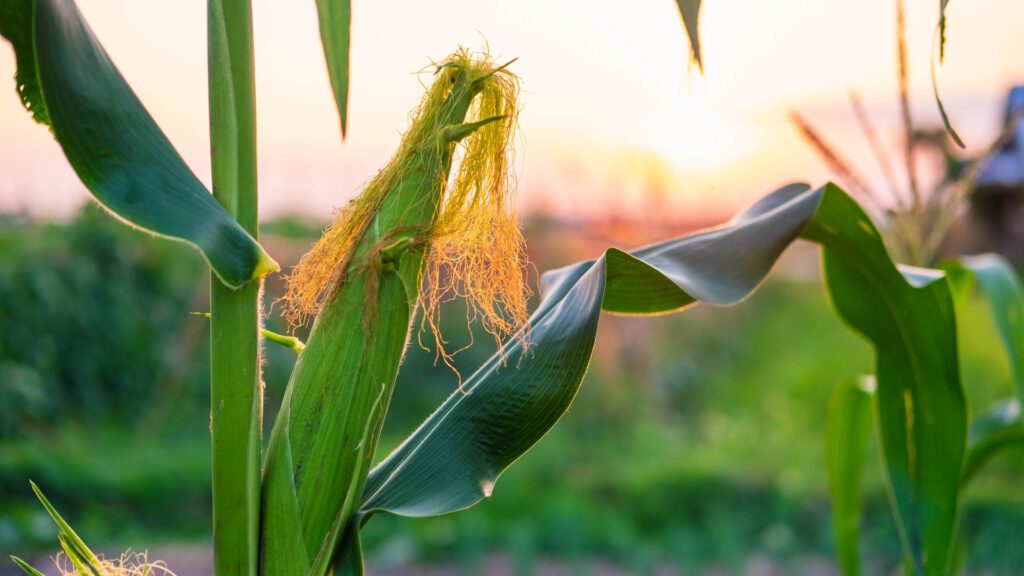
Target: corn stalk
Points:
(236, 389)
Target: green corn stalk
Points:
(68, 82)
(323, 441)
(236, 389)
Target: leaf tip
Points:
(264, 266)
(28, 569)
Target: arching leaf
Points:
(455, 457)
(999, 428)
(68, 81)
(335, 35)
(1002, 289)
(847, 436)
(689, 10)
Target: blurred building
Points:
(997, 202)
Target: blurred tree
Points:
(109, 357)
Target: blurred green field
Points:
(696, 439)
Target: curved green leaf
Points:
(999, 428)
(16, 26)
(81, 557)
(847, 436)
(942, 29)
(335, 31)
(908, 316)
(68, 81)
(454, 458)
(1002, 289)
(349, 561)
(689, 10)
(25, 567)
(946, 122)
(940, 39)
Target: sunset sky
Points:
(611, 109)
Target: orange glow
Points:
(597, 81)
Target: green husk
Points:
(363, 278)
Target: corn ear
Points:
(363, 281)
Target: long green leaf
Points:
(689, 10)
(16, 26)
(946, 122)
(335, 32)
(26, 567)
(942, 29)
(847, 436)
(922, 413)
(1002, 289)
(940, 39)
(999, 428)
(80, 555)
(68, 81)
(454, 458)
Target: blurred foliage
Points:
(92, 319)
(695, 441)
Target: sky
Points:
(613, 115)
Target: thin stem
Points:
(908, 122)
(840, 166)
(236, 393)
(876, 146)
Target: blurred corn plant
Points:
(915, 210)
(915, 217)
(855, 409)
(689, 12)
(438, 222)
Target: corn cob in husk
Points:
(412, 225)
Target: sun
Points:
(694, 137)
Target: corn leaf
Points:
(68, 82)
(455, 457)
(82, 558)
(349, 560)
(689, 10)
(942, 29)
(16, 26)
(997, 280)
(847, 436)
(946, 122)
(920, 406)
(940, 39)
(26, 567)
(998, 429)
(1002, 289)
(335, 30)
(994, 431)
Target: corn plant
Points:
(689, 11)
(854, 409)
(438, 220)
(915, 220)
